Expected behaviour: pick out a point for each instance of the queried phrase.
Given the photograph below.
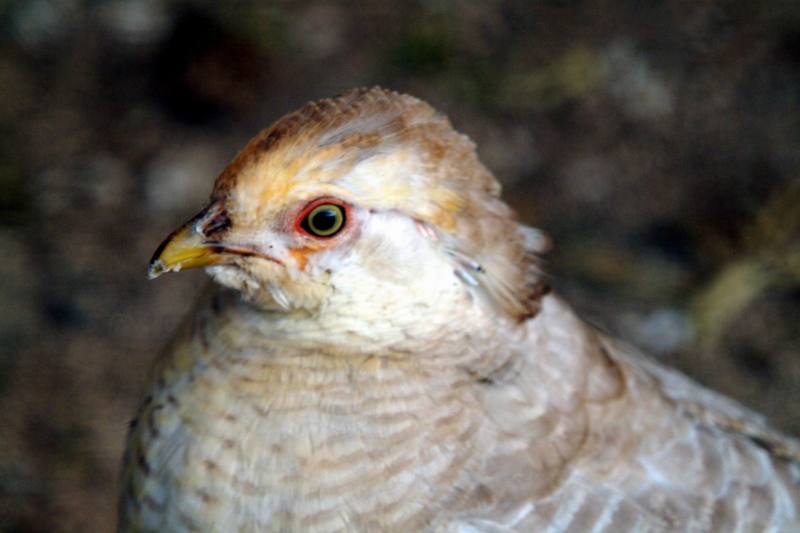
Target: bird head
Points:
(365, 209)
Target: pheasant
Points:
(380, 352)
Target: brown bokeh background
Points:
(658, 143)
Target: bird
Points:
(380, 351)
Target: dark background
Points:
(658, 143)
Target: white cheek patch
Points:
(392, 261)
(393, 248)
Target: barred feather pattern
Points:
(413, 373)
(570, 434)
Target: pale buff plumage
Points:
(412, 373)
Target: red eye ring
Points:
(323, 218)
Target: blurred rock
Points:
(572, 75)
(638, 90)
(508, 149)
(661, 331)
(180, 177)
(135, 22)
(588, 177)
(107, 180)
(321, 29)
(204, 70)
(38, 24)
(16, 86)
(18, 279)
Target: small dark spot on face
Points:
(209, 464)
(228, 443)
(230, 417)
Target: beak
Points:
(191, 245)
(186, 247)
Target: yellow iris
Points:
(325, 220)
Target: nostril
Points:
(216, 224)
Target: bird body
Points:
(382, 355)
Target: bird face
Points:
(367, 212)
(353, 268)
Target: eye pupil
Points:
(324, 220)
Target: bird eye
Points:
(325, 220)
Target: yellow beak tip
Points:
(155, 269)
